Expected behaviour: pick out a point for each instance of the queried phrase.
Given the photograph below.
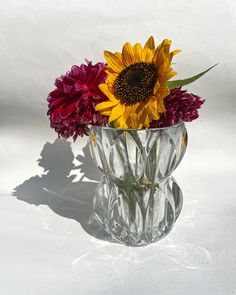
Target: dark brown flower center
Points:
(135, 83)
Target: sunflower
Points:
(135, 85)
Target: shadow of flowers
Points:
(56, 186)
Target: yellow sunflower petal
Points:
(110, 70)
(105, 105)
(116, 112)
(147, 55)
(163, 47)
(105, 113)
(153, 112)
(126, 116)
(114, 61)
(118, 56)
(128, 54)
(105, 89)
(176, 52)
(111, 78)
(161, 106)
(134, 118)
(156, 87)
(170, 75)
(150, 43)
(144, 119)
(137, 49)
(163, 93)
(121, 122)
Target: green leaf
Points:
(179, 83)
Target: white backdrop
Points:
(45, 253)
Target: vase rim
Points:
(181, 123)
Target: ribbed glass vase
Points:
(137, 201)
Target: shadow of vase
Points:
(56, 187)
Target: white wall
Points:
(39, 40)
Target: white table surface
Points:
(45, 250)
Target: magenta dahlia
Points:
(180, 106)
(72, 104)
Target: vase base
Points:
(136, 218)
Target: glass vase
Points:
(137, 201)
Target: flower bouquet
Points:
(134, 117)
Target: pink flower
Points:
(180, 106)
(72, 103)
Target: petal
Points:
(105, 105)
(164, 46)
(169, 76)
(66, 111)
(137, 52)
(148, 51)
(120, 123)
(125, 117)
(150, 43)
(146, 122)
(104, 88)
(156, 87)
(175, 52)
(116, 112)
(133, 120)
(114, 61)
(111, 78)
(164, 91)
(144, 119)
(147, 55)
(128, 54)
(105, 113)
(152, 109)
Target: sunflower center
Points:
(135, 83)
